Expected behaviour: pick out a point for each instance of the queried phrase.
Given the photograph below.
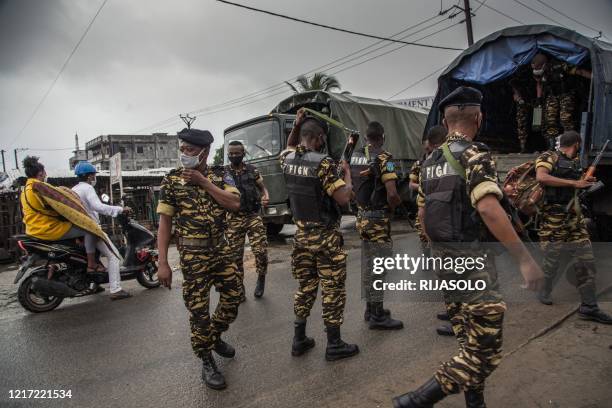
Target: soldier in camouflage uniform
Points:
(375, 189)
(556, 86)
(449, 191)
(562, 228)
(248, 221)
(315, 192)
(435, 137)
(198, 197)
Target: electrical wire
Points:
(501, 13)
(569, 17)
(418, 81)
(76, 47)
(335, 28)
(539, 13)
(330, 65)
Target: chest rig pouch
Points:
(249, 193)
(308, 201)
(449, 215)
(369, 190)
(565, 168)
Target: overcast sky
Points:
(144, 61)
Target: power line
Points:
(329, 65)
(415, 83)
(482, 3)
(336, 28)
(539, 13)
(568, 17)
(35, 111)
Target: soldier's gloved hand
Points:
(164, 274)
(532, 274)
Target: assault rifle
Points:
(590, 172)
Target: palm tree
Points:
(320, 81)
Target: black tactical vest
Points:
(308, 201)
(245, 183)
(369, 190)
(566, 169)
(449, 215)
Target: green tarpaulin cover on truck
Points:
(403, 126)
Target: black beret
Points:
(196, 137)
(462, 96)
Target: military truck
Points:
(492, 62)
(265, 137)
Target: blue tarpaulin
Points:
(500, 59)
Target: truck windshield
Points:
(260, 140)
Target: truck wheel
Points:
(274, 229)
(32, 301)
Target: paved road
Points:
(137, 353)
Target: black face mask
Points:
(236, 160)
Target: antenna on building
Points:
(188, 119)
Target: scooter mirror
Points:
(105, 198)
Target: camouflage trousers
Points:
(478, 328)
(559, 114)
(203, 268)
(562, 233)
(250, 225)
(523, 117)
(375, 234)
(318, 257)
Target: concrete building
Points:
(137, 151)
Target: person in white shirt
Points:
(86, 173)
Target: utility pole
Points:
(188, 119)
(468, 21)
(3, 163)
(16, 159)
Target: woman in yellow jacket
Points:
(43, 222)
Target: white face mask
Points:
(190, 162)
(538, 72)
(93, 182)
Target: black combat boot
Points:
(445, 330)
(544, 293)
(336, 348)
(224, 349)
(593, 312)
(474, 399)
(301, 343)
(443, 316)
(210, 374)
(424, 397)
(381, 321)
(368, 312)
(260, 286)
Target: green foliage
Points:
(320, 81)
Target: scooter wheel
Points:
(32, 301)
(147, 276)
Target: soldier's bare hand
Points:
(532, 274)
(583, 183)
(164, 274)
(194, 177)
(265, 201)
(299, 117)
(345, 166)
(591, 179)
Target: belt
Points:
(209, 242)
(373, 214)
